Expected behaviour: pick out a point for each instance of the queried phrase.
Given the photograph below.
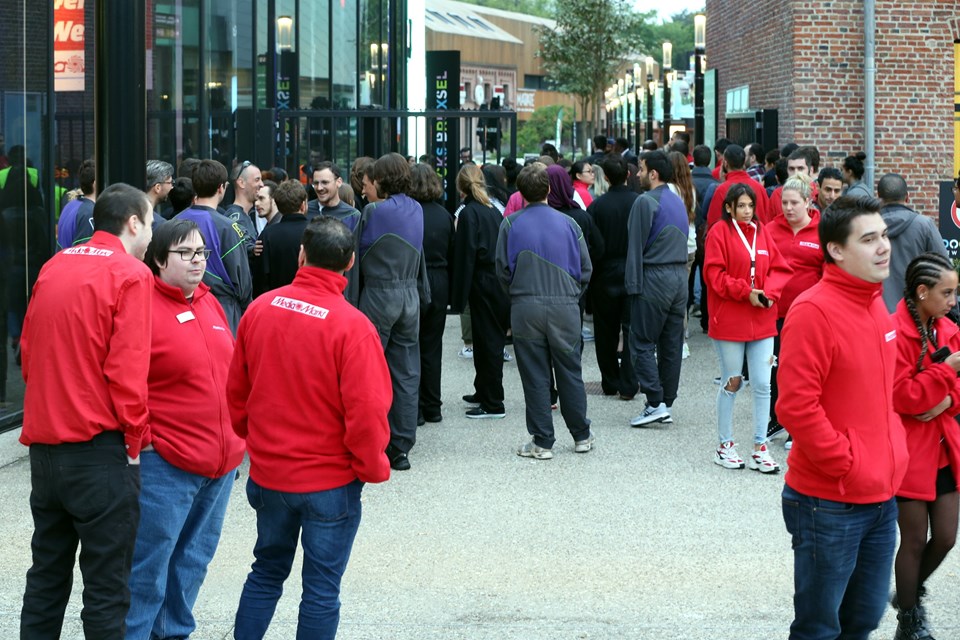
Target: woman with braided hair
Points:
(926, 394)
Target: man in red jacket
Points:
(734, 158)
(86, 352)
(309, 389)
(837, 362)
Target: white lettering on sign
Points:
(68, 31)
(307, 309)
(70, 5)
(88, 251)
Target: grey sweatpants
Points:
(547, 335)
(656, 325)
(395, 312)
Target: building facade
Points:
(805, 59)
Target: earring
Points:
(923, 297)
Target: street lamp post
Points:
(621, 98)
(638, 91)
(667, 71)
(651, 88)
(627, 103)
(700, 49)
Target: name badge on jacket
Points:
(186, 316)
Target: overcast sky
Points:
(672, 6)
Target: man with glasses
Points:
(247, 181)
(159, 184)
(326, 182)
(228, 270)
(188, 463)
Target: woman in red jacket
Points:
(797, 237)
(926, 394)
(745, 274)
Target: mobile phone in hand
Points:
(940, 354)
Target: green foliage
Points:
(542, 126)
(649, 37)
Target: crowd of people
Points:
(302, 325)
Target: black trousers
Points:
(82, 493)
(611, 318)
(433, 319)
(490, 317)
(774, 389)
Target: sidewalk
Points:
(644, 537)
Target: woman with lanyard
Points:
(797, 237)
(745, 273)
(926, 394)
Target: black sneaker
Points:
(398, 459)
(774, 429)
(472, 400)
(479, 413)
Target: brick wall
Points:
(805, 58)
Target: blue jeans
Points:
(329, 520)
(181, 516)
(759, 361)
(842, 561)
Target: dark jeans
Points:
(433, 319)
(611, 318)
(82, 493)
(842, 561)
(329, 521)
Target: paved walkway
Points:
(644, 537)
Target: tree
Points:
(541, 126)
(590, 44)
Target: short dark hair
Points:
(755, 150)
(649, 145)
(721, 145)
(680, 147)
(702, 155)
(735, 156)
(165, 236)
(289, 196)
(829, 173)
(780, 168)
(116, 205)
(854, 164)
(836, 220)
(362, 166)
(186, 167)
(622, 143)
(549, 150)
(87, 175)
(208, 177)
(892, 188)
(772, 156)
(683, 135)
(533, 182)
(659, 162)
(808, 154)
(327, 243)
(326, 164)
(599, 143)
(429, 159)
(788, 148)
(392, 173)
(615, 168)
(424, 183)
(181, 195)
(271, 185)
(737, 189)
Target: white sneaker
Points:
(726, 456)
(686, 351)
(762, 461)
(651, 414)
(506, 355)
(466, 353)
(531, 450)
(586, 334)
(583, 446)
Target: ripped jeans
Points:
(759, 362)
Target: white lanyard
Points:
(752, 250)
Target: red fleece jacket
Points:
(838, 356)
(936, 443)
(726, 271)
(716, 204)
(309, 388)
(189, 360)
(802, 252)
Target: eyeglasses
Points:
(587, 171)
(189, 255)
